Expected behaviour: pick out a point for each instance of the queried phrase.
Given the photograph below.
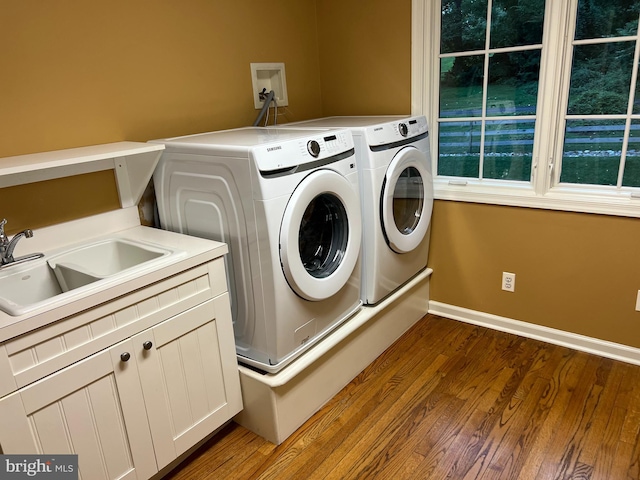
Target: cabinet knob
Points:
(147, 345)
(125, 356)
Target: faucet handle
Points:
(3, 237)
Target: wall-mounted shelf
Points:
(133, 163)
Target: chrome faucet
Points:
(8, 246)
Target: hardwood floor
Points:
(451, 400)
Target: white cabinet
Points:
(183, 377)
(94, 408)
(130, 409)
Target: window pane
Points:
(606, 18)
(600, 78)
(508, 148)
(459, 149)
(631, 177)
(513, 83)
(461, 86)
(516, 22)
(636, 102)
(464, 24)
(592, 150)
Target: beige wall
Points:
(575, 272)
(78, 73)
(365, 56)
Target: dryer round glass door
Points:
(320, 235)
(407, 200)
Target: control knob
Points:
(402, 127)
(313, 148)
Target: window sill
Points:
(562, 199)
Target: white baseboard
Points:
(604, 348)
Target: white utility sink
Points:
(27, 283)
(36, 283)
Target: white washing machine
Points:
(286, 202)
(394, 163)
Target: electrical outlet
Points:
(638, 302)
(509, 281)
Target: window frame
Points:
(543, 191)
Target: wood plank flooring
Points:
(453, 401)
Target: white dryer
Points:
(392, 154)
(286, 202)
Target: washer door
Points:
(320, 235)
(406, 200)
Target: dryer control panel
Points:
(311, 147)
(392, 132)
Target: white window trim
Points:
(540, 193)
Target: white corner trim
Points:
(418, 30)
(603, 348)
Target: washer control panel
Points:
(386, 133)
(310, 147)
(329, 143)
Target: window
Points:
(489, 69)
(599, 115)
(531, 102)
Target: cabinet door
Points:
(93, 408)
(189, 380)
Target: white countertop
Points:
(123, 224)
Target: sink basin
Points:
(106, 258)
(28, 284)
(34, 284)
